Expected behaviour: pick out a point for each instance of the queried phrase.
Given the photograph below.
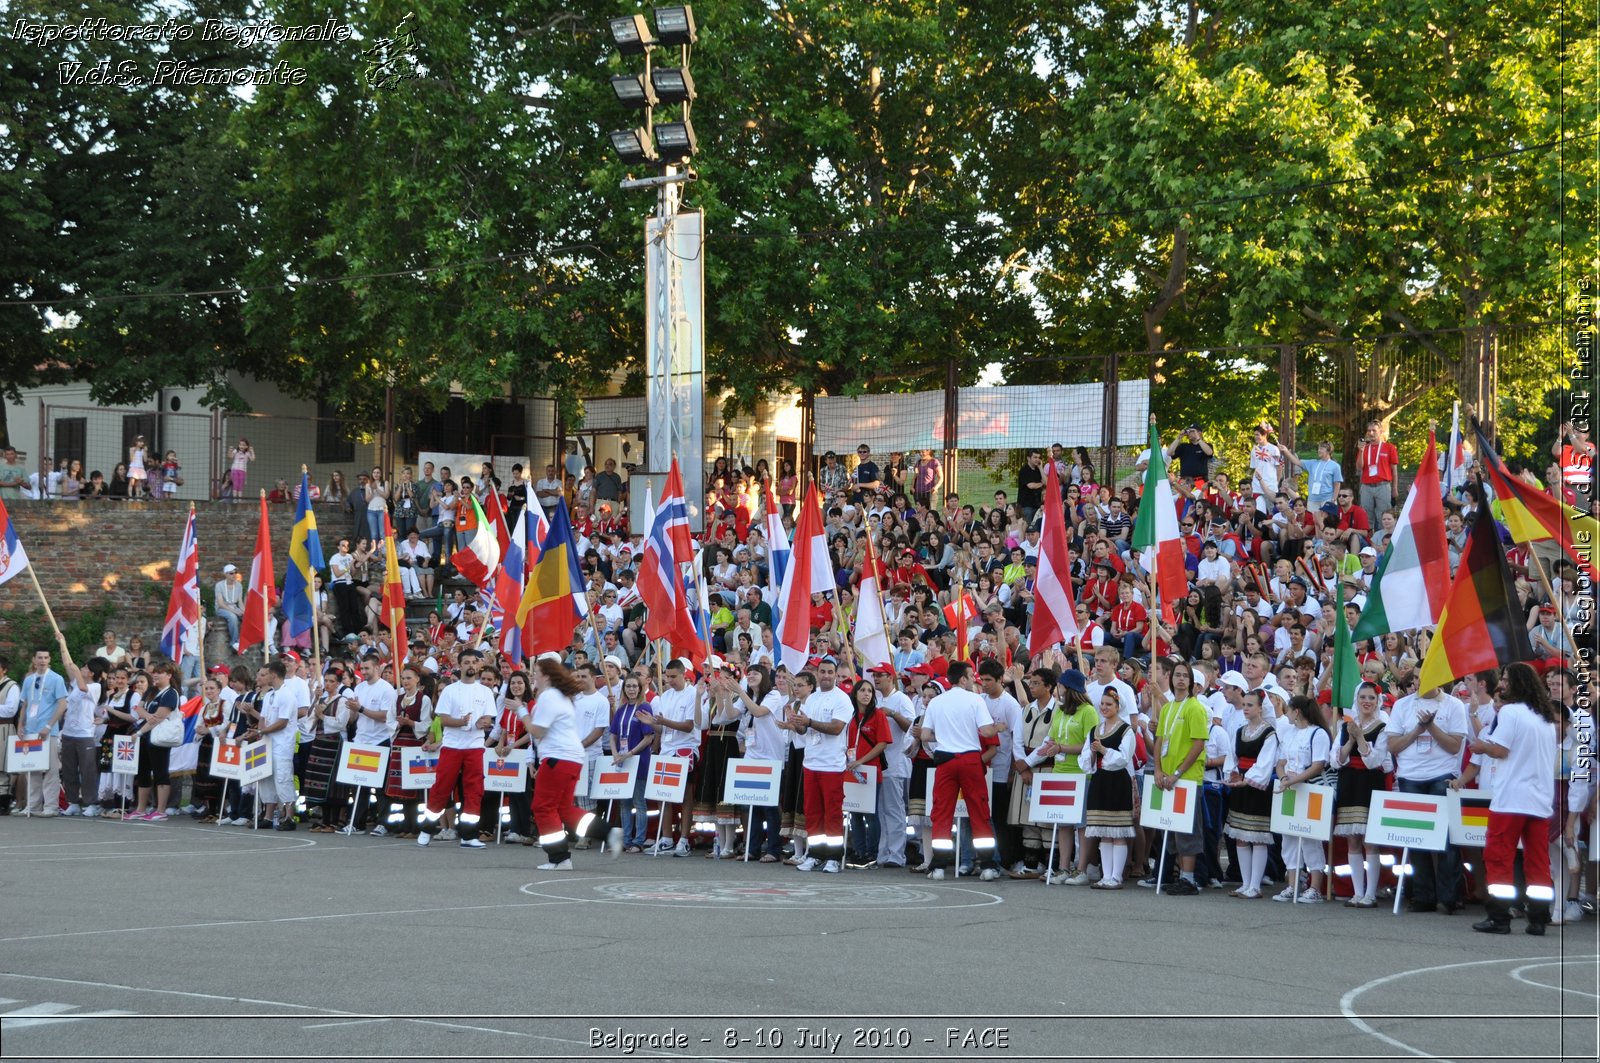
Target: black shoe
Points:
(1491, 926)
(265, 824)
(1422, 906)
(1180, 887)
(1450, 907)
(1536, 929)
(287, 824)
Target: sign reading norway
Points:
(1408, 821)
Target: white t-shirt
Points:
(472, 700)
(593, 710)
(1096, 690)
(375, 697)
(1303, 747)
(764, 739)
(1525, 780)
(1264, 462)
(1425, 758)
(271, 707)
(678, 706)
(896, 762)
(79, 719)
(954, 718)
(556, 712)
(1005, 711)
(825, 752)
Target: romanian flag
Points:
(1060, 792)
(394, 597)
(553, 601)
(305, 557)
(1179, 797)
(1412, 812)
(752, 776)
(502, 769)
(360, 759)
(1532, 515)
(1480, 627)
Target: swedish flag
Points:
(305, 558)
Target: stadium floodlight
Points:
(633, 91)
(633, 145)
(675, 141)
(675, 25)
(632, 34)
(672, 84)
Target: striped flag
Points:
(871, 635)
(1155, 532)
(361, 759)
(1455, 462)
(508, 586)
(477, 552)
(753, 776)
(777, 556)
(1411, 586)
(499, 768)
(1411, 812)
(1055, 618)
(28, 745)
(1532, 515)
(1061, 792)
(13, 559)
(810, 571)
(183, 606)
(1295, 803)
(1175, 800)
(394, 597)
(1480, 627)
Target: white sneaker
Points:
(614, 842)
(810, 863)
(241, 821)
(448, 834)
(46, 813)
(989, 875)
(511, 837)
(91, 812)
(473, 843)
(565, 865)
(1309, 897)
(1286, 896)
(73, 810)
(1572, 912)
(173, 812)
(937, 874)
(682, 848)
(424, 839)
(664, 845)
(831, 867)
(187, 810)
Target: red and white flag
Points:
(810, 571)
(477, 553)
(183, 607)
(871, 634)
(666, 548)
(1055, 618)
(262, 593)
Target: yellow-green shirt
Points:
(1179, 726)
(1072, 730)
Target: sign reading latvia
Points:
(418, 768)
(668, 778)
(753, 782)
(125, 757)
(1170, 810)
(1408, 821)
(1304, 811)
(507, 774)
(362, 765)
(1057, 799)
(861, 796)
(614, 782)
(1469, 818)
(227, 760)
(257, 758)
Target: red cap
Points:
(882, 669)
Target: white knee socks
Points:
(1115, 857)
(1358, 872)
(1254, 858)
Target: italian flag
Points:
(477, 553)
(1156, 530)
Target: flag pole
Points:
(266, 607)
(44, 601)
(316, 612)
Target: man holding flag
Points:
(256, 623)
(299, 582)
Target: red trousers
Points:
(824, 798)
(1500, 853)
(554, 807)
(965, 775)
(465, 765)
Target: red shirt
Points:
(1354, 517)
(863, 736)
(1378, 462)
(1128, 616)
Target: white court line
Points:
(1347, 1002)
(1517, 975)
(58, 845)
(342, 1022)
(992, 899)
(282, 919)
(303, 843)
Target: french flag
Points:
(810, 570)
(661, 584)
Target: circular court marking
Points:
(1518, 976)
(764, 895)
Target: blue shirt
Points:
(39, 697)
(628, 730)
(1321, 475)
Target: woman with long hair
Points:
(553, 723)
(154, 780)
(1252, 757)
(867, 736)
(631, 737)
(1524, 740)
(508, 734)
(1303, 757)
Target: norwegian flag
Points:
(183, 607)
(661, 584)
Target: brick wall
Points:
(123, 552)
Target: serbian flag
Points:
(1531, 515)
(661, 585)
(1055, 618)
(394, 597)
(1481, 627)
(1410, 590)
(478, 546)
(553, 602)
(810, 571)
(508, 588)
(190, 711)
(1155, 533)
(777, 555)
(13, 559)
(871, 634)
(183, 607)
(262, 593)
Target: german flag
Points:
(1531, 515)
(1479, 628)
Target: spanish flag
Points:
(1531, 515)
(1479, 628)
(394, 598)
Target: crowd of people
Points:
(1231, 691)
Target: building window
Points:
(332, 445)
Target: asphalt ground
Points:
(175, 941)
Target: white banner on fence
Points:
(989, 418)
